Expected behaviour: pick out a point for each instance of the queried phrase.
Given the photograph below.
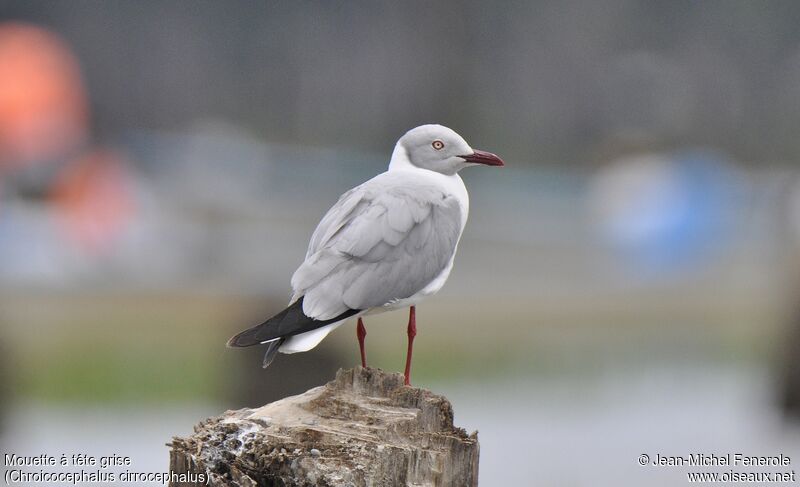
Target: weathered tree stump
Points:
(365, 428)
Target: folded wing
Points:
(383, 241)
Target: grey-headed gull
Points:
(385, 245)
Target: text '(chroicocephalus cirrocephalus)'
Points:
(385, 245)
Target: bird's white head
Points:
(438, 148)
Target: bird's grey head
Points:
(440, 149)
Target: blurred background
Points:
(629, 283)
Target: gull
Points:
(386, 244)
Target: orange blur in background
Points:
(43, 108)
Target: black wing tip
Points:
(291, 321)
(250, 336)
(237, 341)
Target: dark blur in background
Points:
(629, 283)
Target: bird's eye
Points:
(437, 144)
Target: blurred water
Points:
(580, 432)
(140, 433)
(566, 431)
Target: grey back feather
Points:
(382, 241)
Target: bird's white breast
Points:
(451, 185)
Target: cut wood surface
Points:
(364, 428)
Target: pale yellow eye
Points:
(438, 144)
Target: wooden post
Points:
(364, 428)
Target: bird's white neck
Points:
(400, 159)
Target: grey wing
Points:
(377, 245)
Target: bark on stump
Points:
(364, 428)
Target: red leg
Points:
(412, 332)
(361, 332)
